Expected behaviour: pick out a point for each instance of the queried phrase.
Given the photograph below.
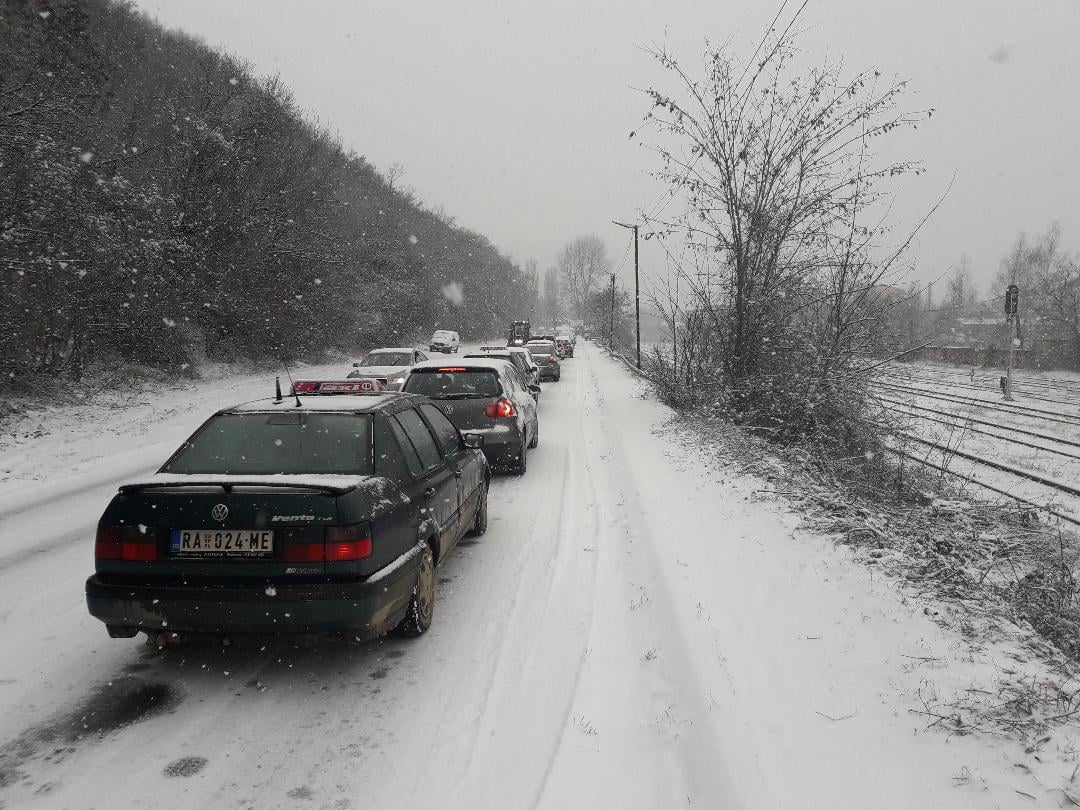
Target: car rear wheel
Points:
(536, 434)
(480, 524)
(421, 608)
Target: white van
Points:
(445, 341)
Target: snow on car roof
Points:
(405, 349)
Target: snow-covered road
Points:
(635, 630)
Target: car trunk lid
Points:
(219, 530)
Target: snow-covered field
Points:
(640, 627)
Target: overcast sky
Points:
(514, 116)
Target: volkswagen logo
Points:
(219, 512)
(449, 409)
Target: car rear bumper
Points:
(549, 373)
(502, 445)
(360, 610)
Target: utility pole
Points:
(637, 288)
(611, 329)
(675, 333)
(1012, 309)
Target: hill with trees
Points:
(163, 205)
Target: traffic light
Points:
(1012, 300)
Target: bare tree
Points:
(583, 264)
(1060, 299)
(395, 173)
(552, 300)
(1015, 268)
(784, 209)
(960, 287)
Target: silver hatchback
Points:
(546, 356)
(485, 396)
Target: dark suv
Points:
(322, 515)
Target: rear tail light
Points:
(552, 359)
(348, 542)
(127, 543)
(502, 408)
(340, 544)
(303, 552)
(138, 552)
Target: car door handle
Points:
(429, 493)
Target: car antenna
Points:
(292, 385)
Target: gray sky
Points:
(514, 116)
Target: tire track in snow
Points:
(542, 643)
(640, 732)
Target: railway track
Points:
(944, 468)
(918, 400)
(966, 423)
(991, 390)
(999, 406)
(1062, 392)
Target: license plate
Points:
(222, 543)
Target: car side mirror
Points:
(356, 365)
(474, 441)
(535, 390)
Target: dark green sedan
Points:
(321, 513)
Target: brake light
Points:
(552, 359)
(353, 550)
(303, 552)
(456, 368)
(502, 408)
(138, 552)
(341, 543)
(348, 542)
(127, 543)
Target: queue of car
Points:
(324, 511)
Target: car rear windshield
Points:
(463, 384)
(542, 350)
(278, 443)
(387, 359)
(443, 335)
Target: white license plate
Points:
(222, 543)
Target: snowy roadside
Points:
(60, 446)
(835, 681)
